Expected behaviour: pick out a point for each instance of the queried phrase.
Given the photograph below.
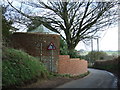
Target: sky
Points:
(108, 42)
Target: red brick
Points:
(73, 66)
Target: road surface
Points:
(96, 79)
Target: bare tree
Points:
(74, 21)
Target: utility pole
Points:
(97, 47)
(91, 59)
(91, 44)
(98, 44)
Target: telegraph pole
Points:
(91, 44)
(98, 44)
(91, 59)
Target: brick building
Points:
(37, 44)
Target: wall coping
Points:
(71, 59)
(36, 33)
(74, 59)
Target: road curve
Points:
(96, 79)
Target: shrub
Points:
(18, 67)
(110, 65)
(63, 47)
(73, 54)
(95, 55)
(64, 50)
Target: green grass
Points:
(113, 52)
(18, 67)
(52, 75)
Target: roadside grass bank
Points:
(19, 68)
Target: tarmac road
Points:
(96, 79)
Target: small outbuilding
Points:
(42, 45)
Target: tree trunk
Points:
(71, 47)
(71, 50)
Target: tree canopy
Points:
(6, 25)
(74, 21)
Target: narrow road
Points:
(96, 79)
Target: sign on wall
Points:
(51, 46)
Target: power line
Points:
(104, 34)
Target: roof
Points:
(43, 29)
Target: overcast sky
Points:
(108, 42)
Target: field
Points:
(108, 52)
(113, 52)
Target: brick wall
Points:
(36, 44)
(71, 66)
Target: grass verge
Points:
(52, 75)
(19, 68)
